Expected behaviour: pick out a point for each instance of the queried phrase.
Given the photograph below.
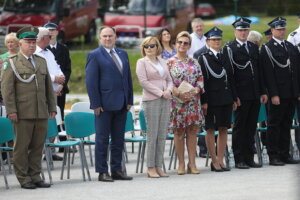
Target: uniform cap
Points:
(268, 32)
(242, 23)
(28, 33)
(50, 25)
(278, 23)
(214, 33)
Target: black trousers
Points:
(279, 124)
(297, 130)
(245, 122)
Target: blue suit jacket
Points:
(106, 86)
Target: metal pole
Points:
(235, 8)
(145, 17)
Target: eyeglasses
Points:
(151, 46)
(183, 43)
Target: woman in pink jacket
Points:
(157, 85)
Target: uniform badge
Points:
(210, 53)
(275, 43)
(238, 45)
(4, 66)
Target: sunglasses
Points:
(151, 46)
(183, 43)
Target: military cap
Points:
(214, 33)
(28, 33)
(242, 23)
(278, 23)
(268, 32)
(50, 25)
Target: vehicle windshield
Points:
(30, 6)
(133, 7)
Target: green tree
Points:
(293, 7)
(275, 8)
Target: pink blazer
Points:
(150, 79)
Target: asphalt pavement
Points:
(267, 183)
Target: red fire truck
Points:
(74, 17)
(135, 19)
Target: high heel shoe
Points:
(192, 171)
(161, 173)
(212, 168)
(225, 169)
(152, 175)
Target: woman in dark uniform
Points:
(219, 97)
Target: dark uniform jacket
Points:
(282, 82)
(249, 84)
(199, 52)
(218, 91)
(26, 99)
(62, 57)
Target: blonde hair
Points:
(146, 41)
(184, 34)
(11, 36)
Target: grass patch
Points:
(77, 80)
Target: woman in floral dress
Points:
(186, 115)
(164, 37)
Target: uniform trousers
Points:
(279, 124)
(157, 114)
(30, 136)
(244, 129)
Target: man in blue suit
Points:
(109, 86)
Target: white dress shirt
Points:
(116, 55)
(53, 67)
(294, 37)
(197, 43)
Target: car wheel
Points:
(90, 36)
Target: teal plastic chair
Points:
(6, 135)
(81, 125)
(129, 127)
(52, 132)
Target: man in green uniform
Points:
(29, 100)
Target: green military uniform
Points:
(32, 102)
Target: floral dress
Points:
(188, 113)
(166, 55)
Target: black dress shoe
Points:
(105, 177)
(42, 184)
(29, 185)
(290, 161)
(212, 168)
(276, 162)
(120, 176)
(56, 157)
(202, 154)
(241, 165)
(253, 164)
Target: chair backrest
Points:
(6, 130)
(81, 107)
(2, 111)
(52, 128)
(262, 115)
(142, 121)
(129, 122)
(80, 124)
(58, 116)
